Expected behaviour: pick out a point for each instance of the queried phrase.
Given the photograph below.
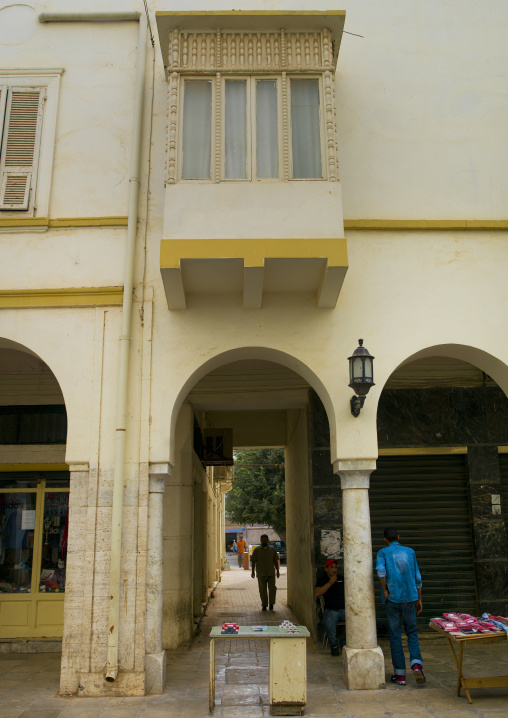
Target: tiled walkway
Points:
(29, 683)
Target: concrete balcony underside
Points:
(253, 268)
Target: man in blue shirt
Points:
(401, 585)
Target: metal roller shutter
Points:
(503, 468)
(426, 499)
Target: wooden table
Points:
(479, 639)
(287, 666)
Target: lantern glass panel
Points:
(368, 368)
(357, 369)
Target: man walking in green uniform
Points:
(265, 562)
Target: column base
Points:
(364, 668)
(155, 673)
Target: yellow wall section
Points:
(391, 224)
(82, 297)
(63, 222)
(253, 251)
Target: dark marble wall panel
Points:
(442, 417)
(492, 580)
(326, 491)
(473, 417)
(489, 534)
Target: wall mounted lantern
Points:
(361, 376)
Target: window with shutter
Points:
(21, 111)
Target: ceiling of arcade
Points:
(253, 396)
(266, 385)
(244, 386)
(26, 380)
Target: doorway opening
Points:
(34, 497)
(442, 428)
(265, 407)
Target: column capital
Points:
(354, 473)
(78, 465)
(158, 474)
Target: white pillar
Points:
(155, 658)
(363, 659)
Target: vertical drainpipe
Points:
(125, 336)
(123, 364)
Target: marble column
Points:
(363, 660)
(155, 658)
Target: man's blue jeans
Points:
(398, 613)
(330, 621)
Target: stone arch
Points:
(484, 360)
(59, 354)
(11, 344)
(262, 353)
(349, 444)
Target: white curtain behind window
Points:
(305, 129)
(197, 130)
(267, 150)
(236, 129)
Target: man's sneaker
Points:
(418, 674)
(399, 680)
(270, 607)
(334, 651)
(263, 608)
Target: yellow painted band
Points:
(253, 251)
(63, 222)
(34, 633)
(422, 450)
(502, 449)
(24, 221)
(89, 222)
(448, 224)
(33, 467)
(82, 297)
(229, 13)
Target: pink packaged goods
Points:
(463, 624)
(501, 619)
(448, 626)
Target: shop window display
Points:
(54, 546)
(17, 521)
(33, 533)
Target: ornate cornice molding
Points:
(244, 52)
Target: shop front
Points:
(34, 509)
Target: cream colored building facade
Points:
(242, 292)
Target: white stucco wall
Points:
(422, 108)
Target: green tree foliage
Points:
(258, 493)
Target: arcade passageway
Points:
(29, 682)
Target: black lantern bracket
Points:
(361, 376)
(357, 403)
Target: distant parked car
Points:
(280, 547)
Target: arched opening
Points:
(258, 398)
(442, 425)
(34, 496)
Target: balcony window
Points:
(252, 127)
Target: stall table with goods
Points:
(287, 663)
(462, 628)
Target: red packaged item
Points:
(501, 619)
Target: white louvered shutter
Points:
(20, 147)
